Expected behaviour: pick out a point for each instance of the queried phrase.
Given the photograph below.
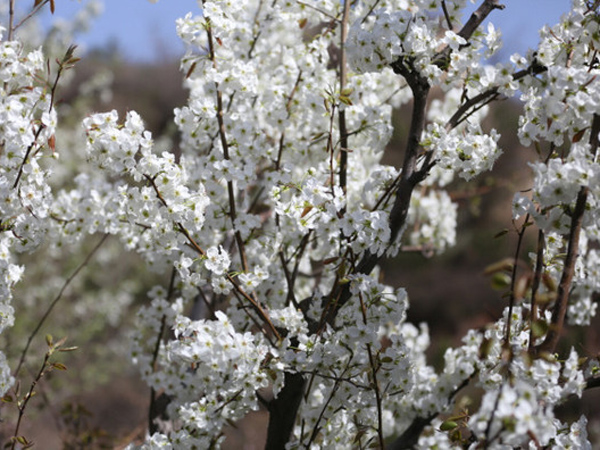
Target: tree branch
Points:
(283, 410)
(478, 17)
(225, 146)
(592, 383)
(560, 306)
(484, 10)
(342, 113)
(486, 96)
(535, 284)
(409, 178)
(410, 437)
(66, 284)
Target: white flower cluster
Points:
(561, 108)
(467, 152)
(260, 133)
(150, 217)
(400, 30)
(222, 370)
(27, 126)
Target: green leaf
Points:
(345, 100)
(501, 233)
(539, 328)
(500, 281)
(448, 425)
(68, 349)
(59, 366)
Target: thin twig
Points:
(513, 280)
(225, 146)
(56, 300)
(446, 15)
(152, 412)
(325, 13)
(260, 311)
(11, 19)
(370, 11)
(32, 13)
(194, 245)
(342, 112)
(537, 277)
(64, 64)
(28, 396)
(485, 96)
(374, 370)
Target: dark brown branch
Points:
(342, 112)
(535, 284)
(158, 405)
(592, 383)
(490, 94)
(410, 437)
(409, 178)
(283, 411)
(446, 15)
(478, 17)
(513, 280)
(484, 10)
(225, 146)
(560, 306)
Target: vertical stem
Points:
(11, 19)
(55, 301)
(283, 411)
(224, 144)
(155, 410)
(342, 112)
(513, 280)
(23, 405)
(564, 287)
(374, 369)
(537, 276)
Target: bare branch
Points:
(66, 284)
(478, 17)
(489, 95)
(560, 306)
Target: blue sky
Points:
(145, 31)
